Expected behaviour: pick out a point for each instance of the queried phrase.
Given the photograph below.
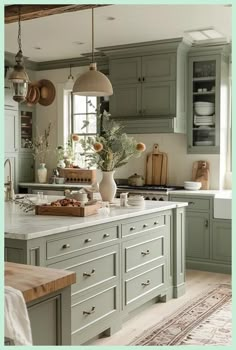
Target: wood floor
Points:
(196, 283)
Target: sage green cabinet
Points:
(126, 100)
(208, 83)
(11, 130)
(221, 240)
(26, 171)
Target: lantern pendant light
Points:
(93, 82)
(70, 82)
(19, 77)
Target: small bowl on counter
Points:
(192, 185)
(60, 180)
(136, 201)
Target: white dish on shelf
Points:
(204, 143)
(192, 185)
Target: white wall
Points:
(175, 145)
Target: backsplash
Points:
(179, 162)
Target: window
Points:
(83, 120)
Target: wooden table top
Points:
(36, 281)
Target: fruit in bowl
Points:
(192, 185)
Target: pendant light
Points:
(93, 82)
(70, 82)
(19, 77)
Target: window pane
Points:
(79, 104)
(90, 120)
(92, 104)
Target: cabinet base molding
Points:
(208, 266)
(179, 290)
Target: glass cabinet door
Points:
(26, 128)
(203, 103)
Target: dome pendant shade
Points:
(93, 83)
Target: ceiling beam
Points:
(36, 11)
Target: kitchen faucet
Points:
(8, 186)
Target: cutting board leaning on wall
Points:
(201, 173)
(156, 167)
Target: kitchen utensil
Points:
(192, 185)
(204, 108)
(201, 173)
(135, 180)
(156, 167)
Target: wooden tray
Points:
(67, 211)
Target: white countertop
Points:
(21, 225)
(214, 193)
(56, 186)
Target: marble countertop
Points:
(56, 186)
(24, 226)
(213, 193)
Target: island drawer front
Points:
(86, 312)
(138, 252)
(80, 242)
(145, 224)
(144, 283)
(92, 269)
(193, 203)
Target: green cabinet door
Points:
(221, 240)
(126, 101)
(11, 130)
(125, 70)
(197, 235)
(25, 167)
(161, 67)
(158, 99)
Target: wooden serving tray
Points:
(67, 211)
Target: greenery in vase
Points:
(111, 148)
(67, 151)
(40, 145)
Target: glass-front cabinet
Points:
(26, 128)
(204, 105)
(207, 99)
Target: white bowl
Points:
(204, 108)
(192, 185)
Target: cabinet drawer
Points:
(95, 308)
(139, 252)
(80, 242)
(193, 203)
(92, 269)
(144, 283)
(134, 227)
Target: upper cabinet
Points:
(208, 98)
(149, 85)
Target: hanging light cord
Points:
(92, 36)
(19, 29)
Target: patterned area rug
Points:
(206, 320)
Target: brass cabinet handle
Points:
(190, 203)
(132, 228)
(145, 225)
(106, 235)
(206, 223)
(89, 312)
(87, 240)
(145, 283)
(156, 223)
(86, 274)
(143, 79)
(139, 79)
(146, 253)
(67, 245)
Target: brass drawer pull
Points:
(106, 235)
(132, 228)
(86, 274)
(65, 246)
(146, 253)
(87, 240)
(156, 223)
(89, 312)
(145, 225)
(190, 203)
(206, 223)
(145, 283)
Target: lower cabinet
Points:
(26, 167)
(119, 267)
(221, 240)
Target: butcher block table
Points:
(47, 293)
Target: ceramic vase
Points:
(42, 173)
(107, 186)
(61, 164)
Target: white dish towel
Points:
(16, 319)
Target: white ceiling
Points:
(56, 35)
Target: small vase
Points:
(42, 173)
(107, 186)
(61, 164)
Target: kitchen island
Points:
(122, 259)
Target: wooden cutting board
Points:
(156, 167)
(201, 173)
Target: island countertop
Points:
(34, 281)
(25, 226)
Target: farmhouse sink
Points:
(223, 205)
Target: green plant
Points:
(111, 148)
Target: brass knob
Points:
(65, 246)
(146, 253)
(87, 240)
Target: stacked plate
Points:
(200, 120)
(136, 201)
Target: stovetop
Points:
(151, 188)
